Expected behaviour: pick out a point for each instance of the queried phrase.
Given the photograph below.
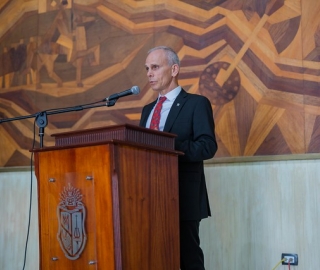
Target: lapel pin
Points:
(178, 104)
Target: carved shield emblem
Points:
(71, 214)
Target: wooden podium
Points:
(108, 199)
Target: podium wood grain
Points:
(131, 203)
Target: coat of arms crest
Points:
(71, 214)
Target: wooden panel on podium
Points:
(108, 199)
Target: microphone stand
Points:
(42, 119)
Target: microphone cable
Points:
(30, 198)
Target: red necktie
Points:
(156, 114)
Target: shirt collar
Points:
(173, 93)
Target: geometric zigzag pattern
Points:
(257, 62)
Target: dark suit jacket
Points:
(191, 119)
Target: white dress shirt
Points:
(166, 106)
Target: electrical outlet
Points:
(289, 257)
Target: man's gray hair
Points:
(171, 54)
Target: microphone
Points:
(134, 90)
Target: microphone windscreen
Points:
(135, 90)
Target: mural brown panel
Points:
(257, 61)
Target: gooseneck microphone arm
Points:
(42, 120)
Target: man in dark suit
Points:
(190, 117)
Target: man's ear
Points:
(175, 70)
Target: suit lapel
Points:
(175, 110)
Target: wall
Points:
(260, 209)
(256, 61)
(15, 187)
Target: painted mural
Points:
(258, 61)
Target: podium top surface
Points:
(126, 132)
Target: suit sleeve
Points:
(196, 138)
